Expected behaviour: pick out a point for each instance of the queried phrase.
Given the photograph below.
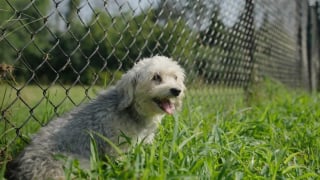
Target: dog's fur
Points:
(133, 107)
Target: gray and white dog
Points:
(133, 107)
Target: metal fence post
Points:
(249, 8)
(302, 41)
(313, 47)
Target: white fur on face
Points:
(158, 79)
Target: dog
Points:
(133, 107)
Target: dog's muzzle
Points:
(165, 103)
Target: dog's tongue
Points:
(167, 106)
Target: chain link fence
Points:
(57, 53)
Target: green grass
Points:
(27, 108)
(219, 136)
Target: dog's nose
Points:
(175, 91)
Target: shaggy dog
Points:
(133, 107)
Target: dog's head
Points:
(153, 86)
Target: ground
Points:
(219, 134)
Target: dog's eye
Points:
(175, 77)
(157, 77)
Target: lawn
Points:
(25, 109)
(217, 135)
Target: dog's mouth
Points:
(165, 104)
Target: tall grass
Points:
(219, 136)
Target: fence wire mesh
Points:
(58, 53)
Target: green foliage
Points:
(125, 39)
(24, 38)
(80, 53)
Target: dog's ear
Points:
(126, 88)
